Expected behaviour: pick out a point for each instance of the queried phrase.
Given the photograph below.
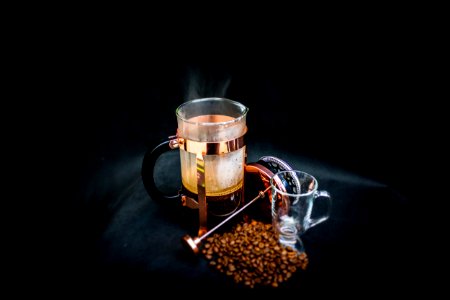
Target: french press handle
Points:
(148, 167)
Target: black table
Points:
(125, 238)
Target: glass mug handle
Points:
(321, 194)
(148, 167)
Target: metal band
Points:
(201, 195)
(210, 148)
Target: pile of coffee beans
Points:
(252, 255)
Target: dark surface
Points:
(338, 127)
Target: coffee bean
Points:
(252, 255)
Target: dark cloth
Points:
(125, 237)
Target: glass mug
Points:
(293, 195)
(210, 138)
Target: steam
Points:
(203, 83)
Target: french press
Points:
(213, 153)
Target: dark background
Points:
(341, 110)
(352, 109)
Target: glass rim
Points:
(234, 120)
(274, 186)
